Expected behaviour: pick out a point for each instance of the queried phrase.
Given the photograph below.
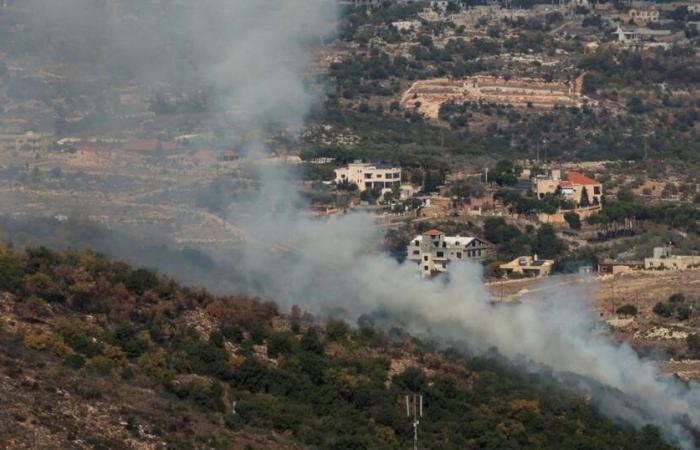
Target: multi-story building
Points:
(369, 176)
(433, 251)
(573, 188)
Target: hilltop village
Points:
(350, 224)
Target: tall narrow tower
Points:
(414, 411)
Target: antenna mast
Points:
(414, 408)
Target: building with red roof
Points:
(576, 187)
(579, 178)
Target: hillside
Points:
(96, 354)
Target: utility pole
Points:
(414, 410)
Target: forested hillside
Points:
(97, 354)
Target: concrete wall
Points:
(558, 217)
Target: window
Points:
(368, 175)
(416, 243)
(379, 175)
(425, 268)
(416, 252)
(479, 252)
(440, 254)
(457, 243)
(425, 258)
(596, 190)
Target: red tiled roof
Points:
(433, 232)
(579, 178)
(565, 184)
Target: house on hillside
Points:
(643, 15)
(369, 176)
(432, 251)
(663, 259)
(575, 187)
(31, 142)
(530, 266)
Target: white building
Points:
(406, 25)
(369, 176)
(432, 251)
(663, 259)
(30, 141)
(644, 15)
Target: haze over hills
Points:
(204, 140)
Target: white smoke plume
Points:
(256, 51)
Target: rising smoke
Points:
(255, 52)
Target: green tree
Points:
(573, 219)
(310, 341)
(506, 173)
(693, 342)
(141, 280)
(627, 310)
(547, 245)
(280, 344)
(584, 198)
(11, 272)
(663, 309)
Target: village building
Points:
(639, 34)
(432, 251)
(369, 176)
(33, 142)
(611, 267)
(514, 91)
(529, 266)
(643, 15)
(663, 259)
(406, 25)
(573, 188)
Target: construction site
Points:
(428, 95)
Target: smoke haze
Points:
(256, 54)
